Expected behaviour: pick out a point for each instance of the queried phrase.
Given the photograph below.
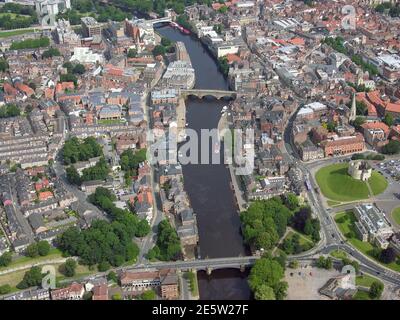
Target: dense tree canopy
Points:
(303, 222)
(15, 16)
(76, 150)
(388, 255)
(30, 43)
(9, 110)
(3, 65)
(105, 241)
(130, 161)
(51, 52)
(168, 245)
(376, 289)
(5, 259)
(68, 268)
(32, 278)
(265, 222)
(393, 147)
(267, 273)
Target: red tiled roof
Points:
(392, 107)
(376, 125)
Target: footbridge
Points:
(160, 20)
(202, 264)
(201, 93)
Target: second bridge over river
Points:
(202, 264)
(201, 93)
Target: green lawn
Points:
(396, 215)
(20, 261)
(337, 185)
(361, 295)
(192, 277)
(332, 203)
(14, 278)
(377, 182)
(366, 280)
(11, 33)
(338, 254)
(305, 241)
(345, 222)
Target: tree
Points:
(9, 110)
(393, 147)
(112, 276)
(43, 248)
(294, 264)
(387, 255)
(69, 77)
(5, 259)
(79, 69)
(265, 271)
(264, 292)
(165, 42)
(132, 53)
(159, 51)
(358, 122)
(376, 289)
(5, 288)
(148, 295)
(30, 43)
(361, 108)
(389, 120)
(103, 266)
(32, 278)
(32, 250)
(280, 290)
(143, 228)
(68, 268)
(324, 263)
(3, 65)
(223, 65)
(73, 176)
(51, 53)
(168, 243)
(291, 201)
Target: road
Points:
(331, 237)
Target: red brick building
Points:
(342, 146)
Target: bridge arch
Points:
(209, 94)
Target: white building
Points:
(85, 55)
(372, 225)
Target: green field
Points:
(396, 215)
(377, 183)
(337, 185)
(54, 254)
(338, 254)
(11, 33)
(366, 280)
(345, 222)
(305, 241)
(14, 278)
(332, 203)
(361, 295)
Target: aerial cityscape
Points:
(199, 150)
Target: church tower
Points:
(353, 110)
